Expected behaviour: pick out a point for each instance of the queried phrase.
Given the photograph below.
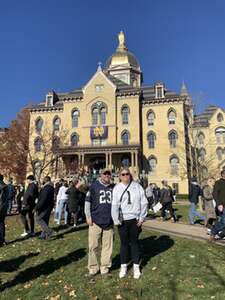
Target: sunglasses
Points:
(107, 173)
(125, 174)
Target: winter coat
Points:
(219, 192)
(30, 196)
(74, 198)
(166, 195)
(194, 192)
(3, 199)
(46, 198)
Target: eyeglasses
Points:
(107, 173)
(125, 174)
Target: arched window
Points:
(174, 164)
(150, 118)
(37, 167)
(152, 164)
(38, 144)
(125, 138)
(95, 116)
(202, 154)
(172, 136)
(151, 140)
(172, 116)
(220, 117)
(55, 143)
(74, 139)
(39, 124)
(103, 116)
(204, 172)
(125, 114)
(220, 135)
(75, 116)
(219, 153)
(56, 123)
(201, 138)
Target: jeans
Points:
(168, 206)
(194, 213)
(62, 209)
(220, 225)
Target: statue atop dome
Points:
(121, 38)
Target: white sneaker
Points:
(123, 271)
(137, 272)
(24, 234)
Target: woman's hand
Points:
(139, 223)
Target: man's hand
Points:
(220, 208)
(89, 221)
(139, 223)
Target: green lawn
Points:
(173, 268)
(181, 212)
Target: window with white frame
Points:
(174, 165)
(151, 140)
(220, 135)
(125, 138)
(56, 123)
(150, 118)
(75, 117)
(74, 139)
(172, 116)
(125, 114)
(152, 164)
(172, 139)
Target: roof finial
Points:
(121, 38)
(183, 91)
(99, 66)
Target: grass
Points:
(181, 212)
(173, 268)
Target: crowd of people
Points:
(103, 204)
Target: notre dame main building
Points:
(114, 120)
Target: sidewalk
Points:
(195, 232)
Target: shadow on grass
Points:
(149, 247)
(13, 264)
(70, 230)
(45, 268)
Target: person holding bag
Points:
(129, 209)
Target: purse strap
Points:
(121, 197)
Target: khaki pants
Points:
(98, 235)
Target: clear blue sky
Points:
(56, 44)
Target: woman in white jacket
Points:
(62, 199)
(129, 209)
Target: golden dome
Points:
(122, 56)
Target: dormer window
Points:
(159, 91)
(49, 100)
(220, 117)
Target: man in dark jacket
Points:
(219, 197)
(44, 207)
(3, 209)
(195, 192)
(28, 204)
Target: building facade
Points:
(115, 120)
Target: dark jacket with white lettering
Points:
(100, 198)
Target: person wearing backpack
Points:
(3, 209)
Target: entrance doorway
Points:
(97, 163)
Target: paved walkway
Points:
(195, 232)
